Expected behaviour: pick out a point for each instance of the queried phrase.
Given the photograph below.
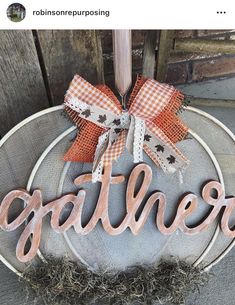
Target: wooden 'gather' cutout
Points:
(188, 205)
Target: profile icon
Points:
(16, 12)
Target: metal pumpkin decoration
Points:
(116, 186)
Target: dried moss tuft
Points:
(64, 282)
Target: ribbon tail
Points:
(135, 138)
(160, 149)
(130, 136)
(97, 169)
(105, 141)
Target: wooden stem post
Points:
(122, 48)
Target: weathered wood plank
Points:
(205, 45)
(22, 90)
(66, 53)
(196, 101)
(149, 58)
(164, 48)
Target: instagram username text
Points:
(46, 12)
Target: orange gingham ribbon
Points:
(134, 128)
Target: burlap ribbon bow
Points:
(150, 123)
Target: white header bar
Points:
(129, 14)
